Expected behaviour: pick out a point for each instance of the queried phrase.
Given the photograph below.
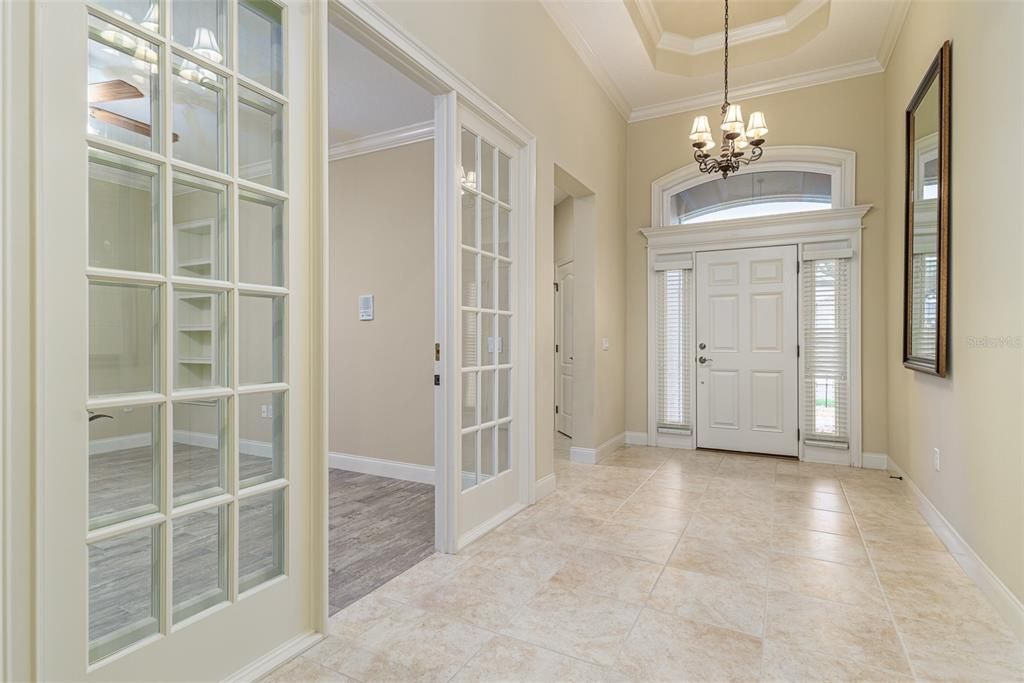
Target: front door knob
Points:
(702, 360)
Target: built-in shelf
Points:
(196, 314)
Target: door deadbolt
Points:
(702, 346)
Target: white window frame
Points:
(829, 231)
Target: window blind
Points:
(925, 300)
(826, 301)
(674, 348)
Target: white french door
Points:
(565, 282)
(747, 369)
(490, 450)
(173, 468)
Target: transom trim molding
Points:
(840, 164)
(378, 142)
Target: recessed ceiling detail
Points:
(762, 36)
(658, 57)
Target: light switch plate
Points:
(366, 306)
(604, 344)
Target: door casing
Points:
(565, 282)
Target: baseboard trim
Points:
(494, 522)
(545, 486)
(381, 468)
(874, 461)
(636, 438)
(275, 658)
(259, 449)
(112, 444)
(592, 456)
(1008, 605)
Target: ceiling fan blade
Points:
(124, 122)
(109, 91)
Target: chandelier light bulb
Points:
(732, 124)
(205, 44)
(701, 128)
(757, 128)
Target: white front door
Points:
(491, 450)
(564, 347)
(173, 375)
(747, 350)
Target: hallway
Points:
(669, 565)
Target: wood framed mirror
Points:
(926, 239)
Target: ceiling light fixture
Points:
(735, 140)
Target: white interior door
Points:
(173, 466)
(747, 350)
(564, 347)
(491, 391)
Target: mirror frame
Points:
(940, 70)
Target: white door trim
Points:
(837, 228)
(369, 23)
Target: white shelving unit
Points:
(195, 252)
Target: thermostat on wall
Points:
(366, 307)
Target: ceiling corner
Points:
(893, 27)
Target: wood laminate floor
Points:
(379, 528)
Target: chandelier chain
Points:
(725, 104)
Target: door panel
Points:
(564, 346)
(746, 318)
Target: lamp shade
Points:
(701, 128)
(740, 143)
(117, 38)
(206, 45)
(757, 127)
(733, 121)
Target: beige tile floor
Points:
(660, 565)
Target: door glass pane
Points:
(260, 139)
(504, 340)
(200, 115)
(468, 171)
(200, 339)
(124, 213)
(487, 282)
(200, 449)
(487, 168)
(487, 225)
(143, 12)
(200, 228)
(487, 463)
(503, 393)
(504, 285)
(504, 435)
(503, 232)
(469, 398)
(260, 539)
(261, 437)
(470, 291)
(199, 561)
(124, 79)
(260, 240)
(202, 26)
(124, 464)
(260, 43)
(261, 326)
(487, 396)
(504, 178)
(124, 344)
(469, 202)
(469, 453)
(124, 606)
(470, 339)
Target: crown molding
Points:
(897, 17)
(572, 34)
(674, 42)
(864, 67)
(378, 142)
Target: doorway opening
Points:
(382, 315)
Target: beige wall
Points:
(975, 414)
(847, 114)
(382, 243)
(549, 90)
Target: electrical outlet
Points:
(267, 410)
(937, 459)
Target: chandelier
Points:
(739, 146)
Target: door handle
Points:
(702, 360)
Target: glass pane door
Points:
(165, 466)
